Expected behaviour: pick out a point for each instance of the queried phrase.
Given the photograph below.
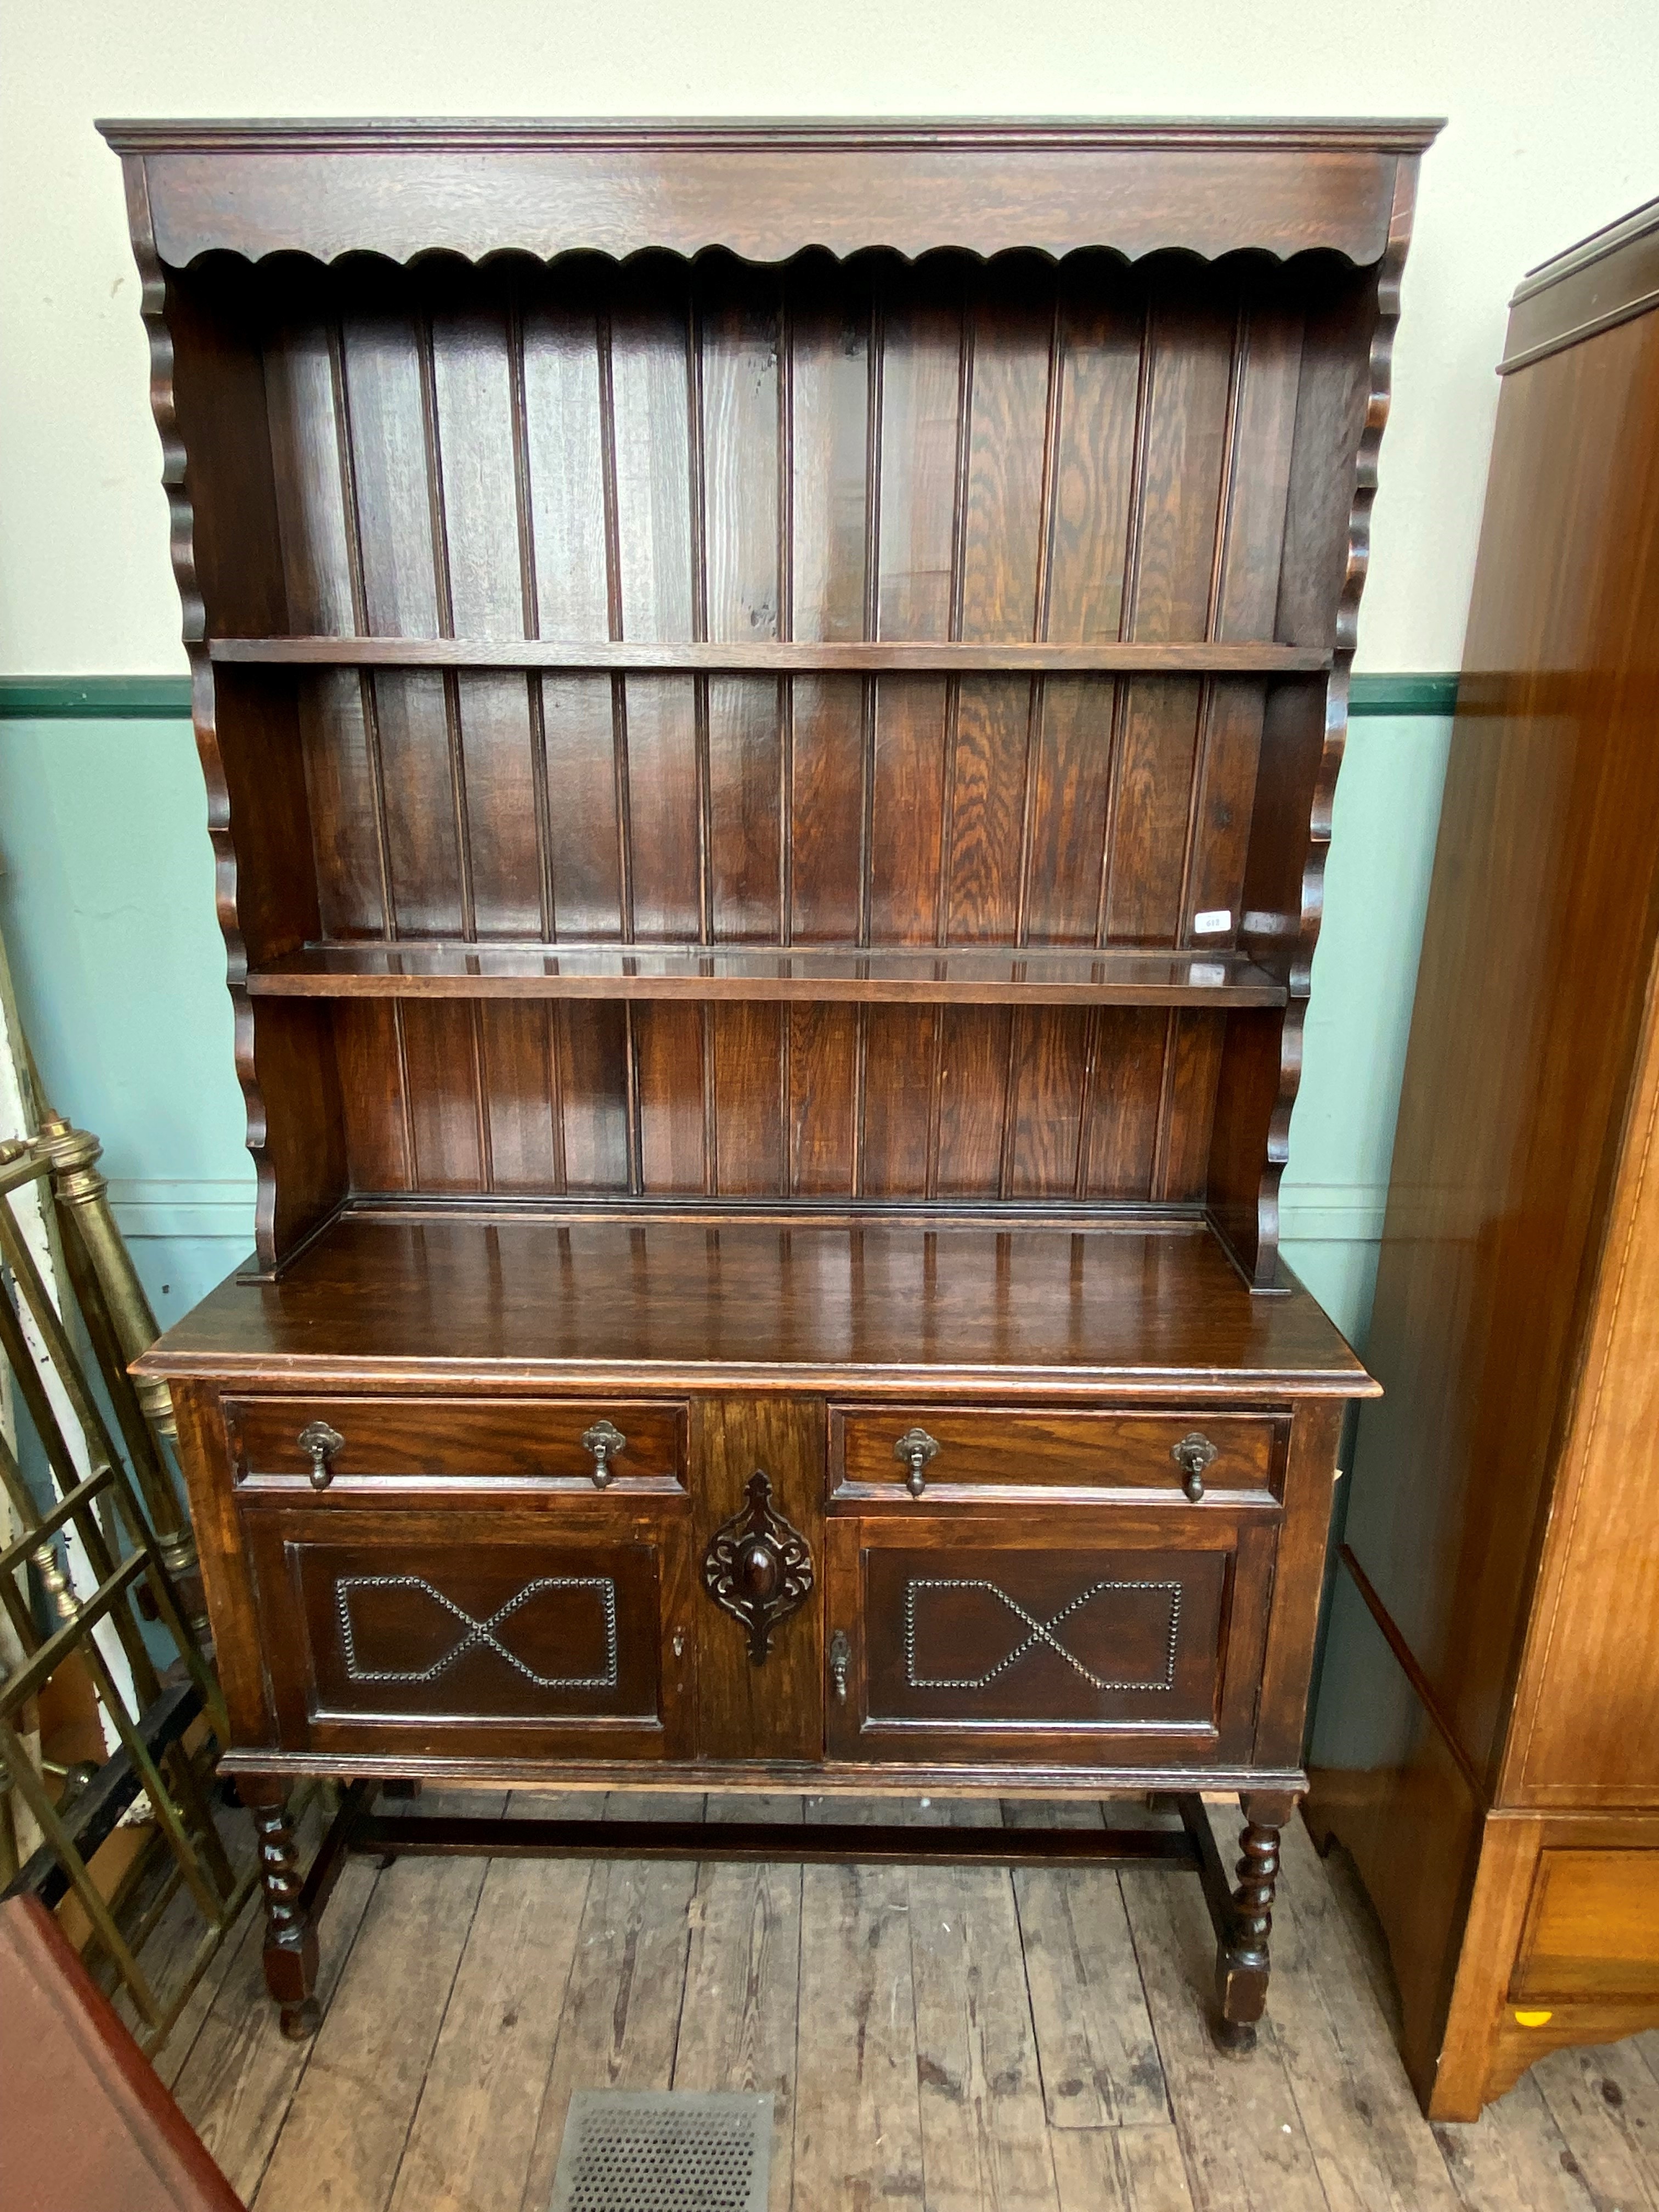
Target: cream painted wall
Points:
(1551, 134)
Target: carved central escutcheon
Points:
(758, 1568)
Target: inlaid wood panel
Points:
(499, 1626)
(978, 1634)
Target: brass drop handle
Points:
(604, 1440)
(319, 1442)
(1192, 1455)
(841, 1658)
(916, 1448)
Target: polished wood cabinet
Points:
(1488, 1737)
(770, 695)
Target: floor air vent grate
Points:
(662, 2151)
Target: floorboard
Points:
(470, 2148)
(936, 2037)
(1099, 2056)
(857, 2109)
(620, 2021)
(343, 2137)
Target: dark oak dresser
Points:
(1488, 1732)
(770, 697)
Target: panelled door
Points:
(1103, 1636)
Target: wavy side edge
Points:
(152, 275)
(1380, 365)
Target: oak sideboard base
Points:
(1242, 1916)
(967, 1563)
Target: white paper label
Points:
(1214, 922)
(1205, 971)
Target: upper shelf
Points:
(777, 657)
(917, 974)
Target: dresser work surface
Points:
(770, 695)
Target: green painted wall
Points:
(107, 906)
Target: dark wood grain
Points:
(744, 606)
(770, 697)
(1126, 1309)
(943, 1665)
(768, 191)
(820, 974)
(598, 1679)
(775, 1710)
(389, 1443)
(915, 656)
(1013, 1448)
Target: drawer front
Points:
(406, 1442)
(984, 1450)
(507, 1632)
(991, 1636)
(1592, 1927)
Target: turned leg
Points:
(290, 1953)
(1241, 1962)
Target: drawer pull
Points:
(1192, 1455)
(604, 1440)
(916, 1448)
(319, 1442)
(841, 1658)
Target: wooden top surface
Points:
(884, 1306)
(1603, 281)
(765, 189)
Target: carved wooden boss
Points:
(769, 696)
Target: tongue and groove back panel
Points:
(667, 450)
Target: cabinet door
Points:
(1100, 1637)
(504, 1633)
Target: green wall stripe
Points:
(96, 698)
(92, 698)
(1403, 695)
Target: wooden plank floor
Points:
(939, 2038)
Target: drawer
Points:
(1098, 1637)
(522, 1629)
(1592, 1927)
(402, 1444)
(1016, 1452)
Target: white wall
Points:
(1551, 133)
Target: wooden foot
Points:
(299, 2022)
(1242, 1964)
(290, 1952)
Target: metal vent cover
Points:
(654, 2150)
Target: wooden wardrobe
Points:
(1487, 1742)
(770, 697)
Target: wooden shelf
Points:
(887, 974)
(413, 1296)
(776, 657)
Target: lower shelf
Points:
(891, 975)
